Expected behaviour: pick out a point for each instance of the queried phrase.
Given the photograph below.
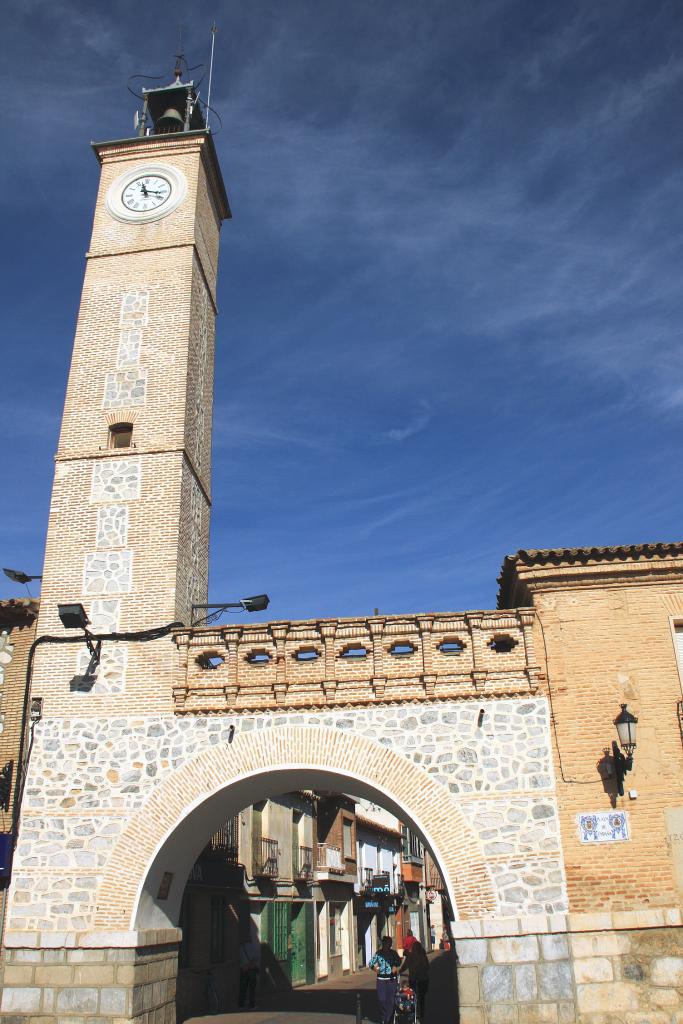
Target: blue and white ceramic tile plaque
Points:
(603, 827)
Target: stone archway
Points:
(169, 831)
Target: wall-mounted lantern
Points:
(626, 730)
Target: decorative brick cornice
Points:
(260, 669)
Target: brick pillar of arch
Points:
(454, 844)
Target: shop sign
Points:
(380, 884)
(372, 904)
(431, 895)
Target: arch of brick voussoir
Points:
(451, 839)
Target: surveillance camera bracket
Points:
(95, 653)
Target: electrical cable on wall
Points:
(570, 782)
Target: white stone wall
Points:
(115, 480)
(112, 526)
(107, 572)
(124, 388)
(130, 343)
(87, 776)
(134, 309)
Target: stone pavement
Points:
(334, 1002)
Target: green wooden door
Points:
(310, 943)
(277, 952)
(280, 933)
(299, 944)
(303, 944)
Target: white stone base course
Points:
(606, 969)
(507, 973)
(85, 983)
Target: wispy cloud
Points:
(450, 298)
(502, 240)
(415, 425)
(239, 426)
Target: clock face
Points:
(145, 193)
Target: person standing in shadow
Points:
(250, 966)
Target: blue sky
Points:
(450, 300)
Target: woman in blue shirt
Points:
(385, 963)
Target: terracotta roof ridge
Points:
(531, 556)
(370, 823)
(580, 556)
(15, 603)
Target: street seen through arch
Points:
(288, 902)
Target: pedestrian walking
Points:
(250, 966)
(417, 965)
(385, 963)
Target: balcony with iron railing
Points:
(372, 881)
(266, 861)
(223, 844)
(329, 858)
(303, 864)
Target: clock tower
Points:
(128, 531)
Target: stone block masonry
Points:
(579, 969)
(135, 983)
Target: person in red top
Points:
(408, 942)
(417, 965)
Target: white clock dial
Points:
(148, 192)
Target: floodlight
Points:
(72, 616)
(17, 576)
(259, 603)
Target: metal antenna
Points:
(214, 29)
(178, 71)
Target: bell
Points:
(170, 121)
